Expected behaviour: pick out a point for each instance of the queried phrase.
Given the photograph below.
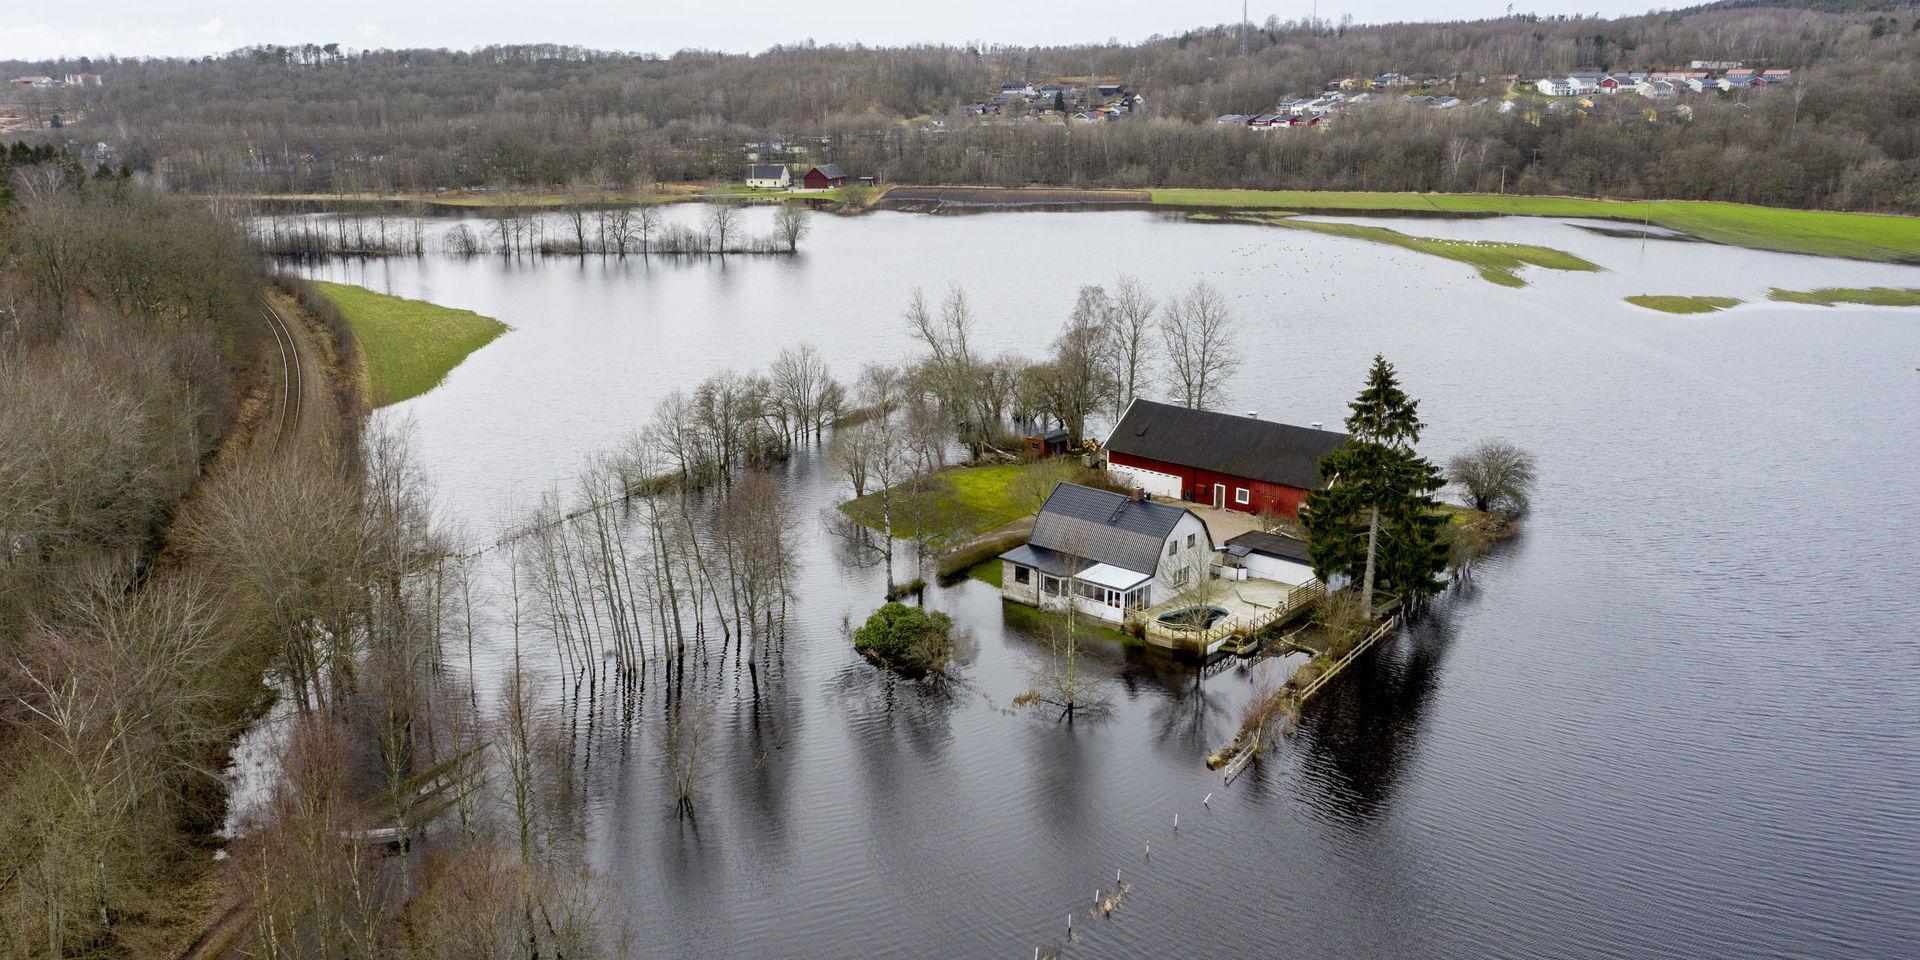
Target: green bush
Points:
(910, 638)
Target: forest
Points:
(320, 118)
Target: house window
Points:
(1051, 585)
(1173, 546)
(1022, 575)
(1178, 578)
(1240, 496)
(1189, 541)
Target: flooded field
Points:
(1678, 716)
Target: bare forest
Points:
(321, 118)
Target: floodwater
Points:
(1678, 716)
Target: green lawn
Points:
(409, 345)
(1497, 262)
(1869, 296)
(1679, 304)
(1861, 236)
(960, 503)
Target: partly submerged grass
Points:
(1497, 261)
(955, 505)
(1861, 236)
(1868, 296)
(1679, 304)
(409, 346)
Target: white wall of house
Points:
(769, 183)
(1186, 558)
(1152, 481)
(1275, 568)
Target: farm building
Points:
(824, 176)
(769, 176)
(1237, 463)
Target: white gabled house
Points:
(1107, 553)
(769, 176)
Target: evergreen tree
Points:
(1376, 520)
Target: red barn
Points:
(822, 177)
(1240, 463)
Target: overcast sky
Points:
(38, 30)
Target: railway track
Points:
(292, 384)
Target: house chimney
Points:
(1139, 495)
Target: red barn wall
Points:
(1197, 485)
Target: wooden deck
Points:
(1251, 606)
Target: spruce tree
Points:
(1376, 520)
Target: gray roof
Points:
(1273, 545)
(831, 171)
(1046, 561)
(1237, 446)
(766, 171)
(1105, 527)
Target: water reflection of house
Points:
(1107, 552)
(1237, 463)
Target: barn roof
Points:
(766, 171)
(830, 170)
(1237, 446)
(1104, 527)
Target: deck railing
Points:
(1207, 639)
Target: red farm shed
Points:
(1236, 462)
(824, 176)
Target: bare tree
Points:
(1494, 476)
(1078, 379)
(1199, 333)
(723, 221)
(1130, 340)
(792, 221)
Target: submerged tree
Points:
(1376, 521)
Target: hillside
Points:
(322, 118)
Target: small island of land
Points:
(1683, 304)
(1864, 296)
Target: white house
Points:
(1107, 553)
(1555, 86)
(769, 176)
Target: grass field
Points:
(409, 346)
(1861, 236)
(1868, 296)
(1677, 304)
(1497, 262)
(957, 504)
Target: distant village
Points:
(1569, 93)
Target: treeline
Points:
(1844, 134)
(156, 573)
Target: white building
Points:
(769, 176)
(1107, 553)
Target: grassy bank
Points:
(1861, 236)
(959, 503)
(1866, 296)
(1679, 304)
(1497, 262)
(408, 346)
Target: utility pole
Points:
(1503, 178)
(1243, 27)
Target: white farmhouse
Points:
(769, 176)
(1107, 553)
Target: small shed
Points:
(824, 176)
(1053, 443)
(1271, 556)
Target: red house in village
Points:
(1239, 463)
(824, 176)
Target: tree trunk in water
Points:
(1373, 540)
